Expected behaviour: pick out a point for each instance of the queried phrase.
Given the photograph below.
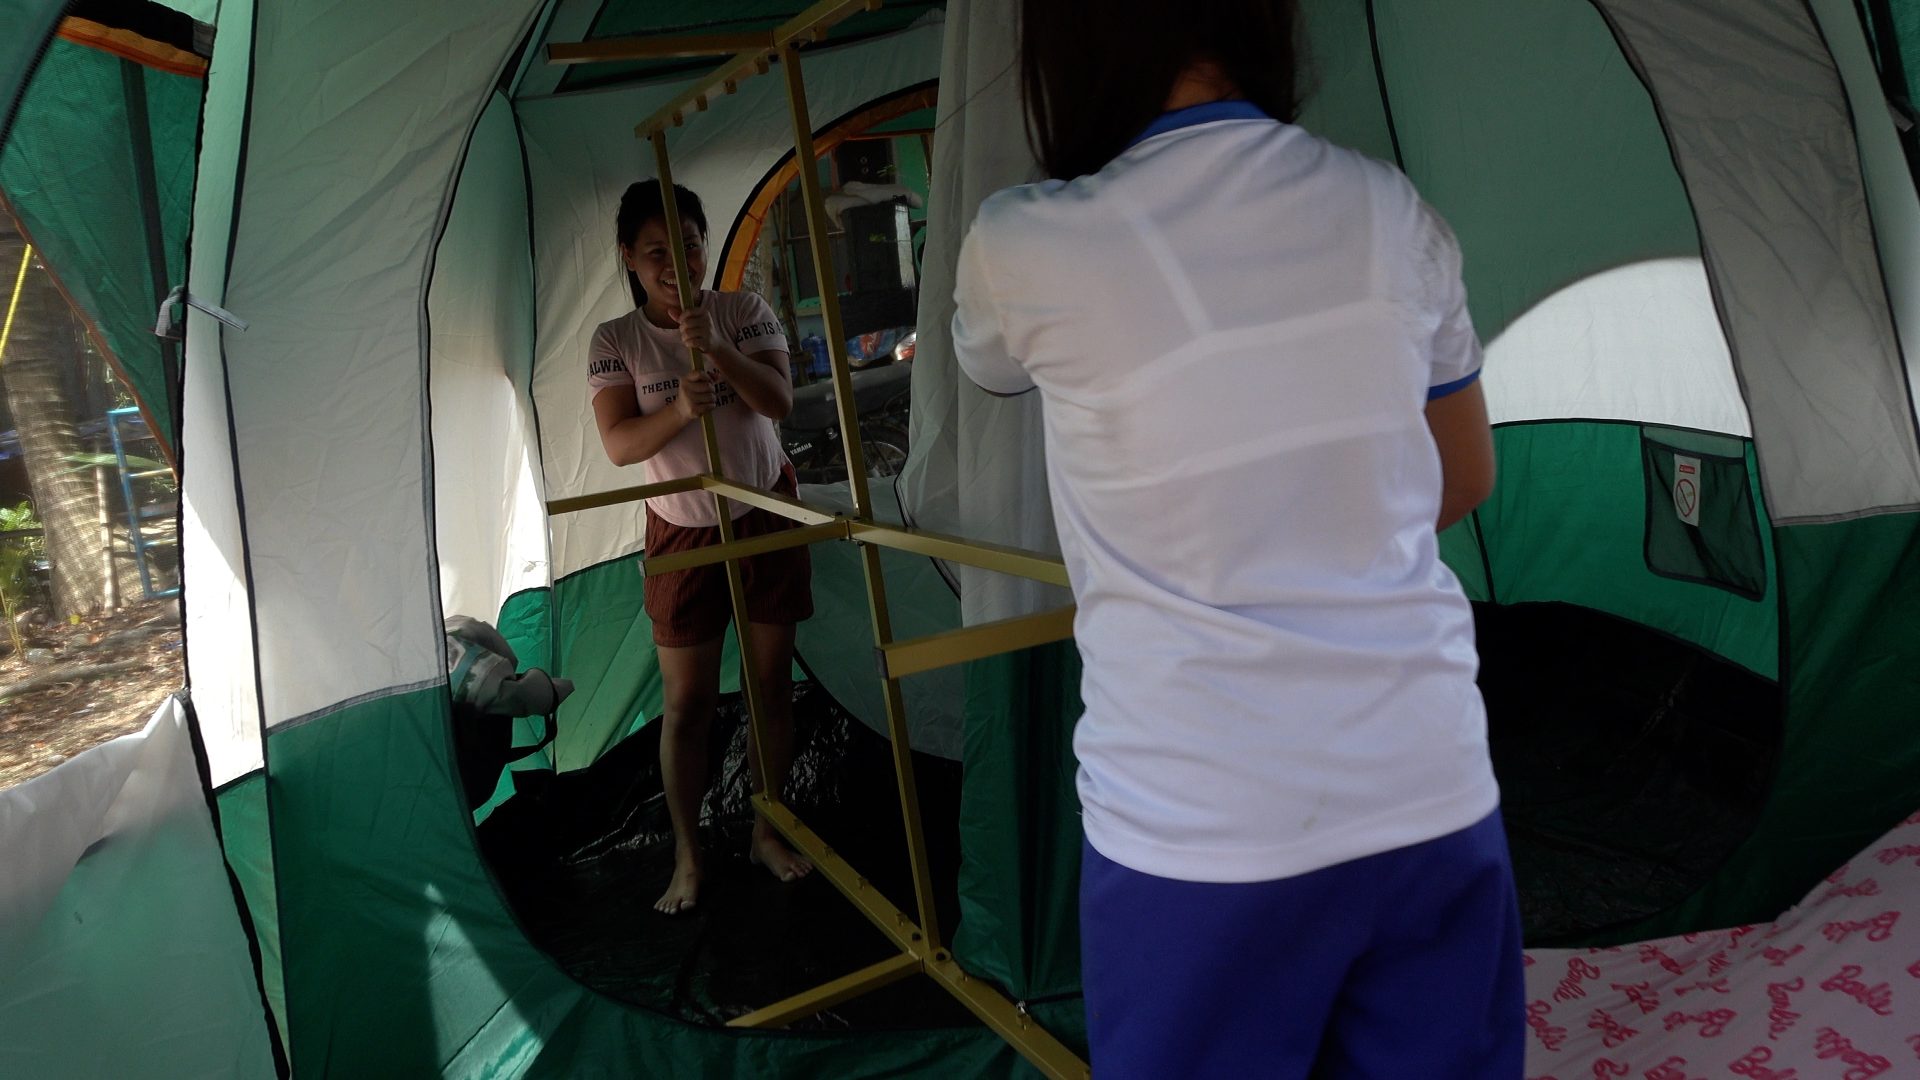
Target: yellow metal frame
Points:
(921, 945)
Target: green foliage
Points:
(17, 556)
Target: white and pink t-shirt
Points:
(632, 352)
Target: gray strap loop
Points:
(163, 325)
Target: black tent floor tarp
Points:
(1630, 767)
(584, 855)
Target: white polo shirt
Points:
(1235, 328)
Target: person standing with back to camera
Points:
(648, 407)
(1260, 400)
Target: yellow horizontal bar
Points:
(809, 25)
(1005, 560)
(827, 995)
(911, 657)
(785, 506)
(743, 549)
(622, 495)
(658, 47)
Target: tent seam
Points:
(358, 699)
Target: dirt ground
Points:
(64, 708)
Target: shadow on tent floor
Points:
(1630, 764)
(583, 856)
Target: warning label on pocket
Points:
(1686, 489)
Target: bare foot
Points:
(767, 850)
(683, 892)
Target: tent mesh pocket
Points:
(1701, 525)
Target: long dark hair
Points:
(642, 203)
(1095, 73)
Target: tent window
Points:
(1701, 525)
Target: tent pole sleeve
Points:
(133, 81)
(849, 414)
(736, 585)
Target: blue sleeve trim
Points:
(1435, 393)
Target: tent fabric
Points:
(1850, 663)
(359, 116)
(490, 522)
(403, 960)
(1599, 189)
(123, 950)
(1893, 188)
(976, 464)
(567, 20)
(221, 663)
(1578, 355)
(1020, 836)
(1804, 301)
(1585, 282)
(75, 168)
(623, 18)
(32, 23)
(1899, 22)
(1568, 523)
(247, 839)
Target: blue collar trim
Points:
(1200, 114)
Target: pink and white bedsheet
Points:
(1830, 990)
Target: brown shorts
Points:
(691, 607)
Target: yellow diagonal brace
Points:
(576, 503)
(772, 502)
(798, 536)
(935, 651)
(870, 901)
(827, 995)
(1005, 560)
(1009, 1021)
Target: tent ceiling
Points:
(628, 18)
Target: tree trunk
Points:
(39, 352)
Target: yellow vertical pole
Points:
(736, 586)
(849, 414)
(13, 305)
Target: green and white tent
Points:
(1692, 239)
